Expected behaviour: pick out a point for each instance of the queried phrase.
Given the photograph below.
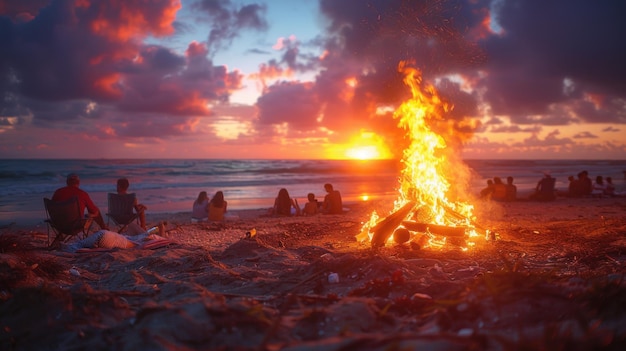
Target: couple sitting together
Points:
(284, 205)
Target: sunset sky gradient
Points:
(308, 79)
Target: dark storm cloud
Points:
(543, 43)
(71, 57)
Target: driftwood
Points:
(383, 229)
(434, 228)
(482, 230)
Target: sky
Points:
(309, 79)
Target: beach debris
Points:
(74, 272)
(333, 278)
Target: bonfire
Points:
(428, 211)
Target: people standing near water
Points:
(122, 188)
(312, 206)
(72, 189)
(284, 205)
(200, 210)
(511, 189)
(332, 201)
(217, 207)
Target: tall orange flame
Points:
(429, 165)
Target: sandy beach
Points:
(553, 279)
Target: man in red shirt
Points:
(72, 190)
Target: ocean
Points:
(171, 185)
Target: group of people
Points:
(284, 205)
(209, 209)
(497, 190)
(72, 189)
(545, 190)
(583, 186)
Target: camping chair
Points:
(66, 220)
(122, 210)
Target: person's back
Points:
(217, 207)
(499, 189)
(283, 204)
(609, 188)
(200, 209)
(311, 207)
(71, 190)
(486, 192)
(122, 188)
(332, 201)
(586, 185)
(546, 188)
(511, 190)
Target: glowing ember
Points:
(425, 181)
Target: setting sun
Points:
(363, 153)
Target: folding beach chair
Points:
(122, 210)
(65, 220)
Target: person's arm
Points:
(225, 206)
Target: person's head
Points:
(283, 193)
(599, 179)
(489, 182)
(311, 196)
(218, 199)
(328, 187)
(122, 185)
(497, 180)
(72, 179)
(509, 180)
(201, 197)
(609, 180)
(570, 178)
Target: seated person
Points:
(545, 190)
(609, 189)
(217, 207)
(200, 210)
(598, 188)
(105, 239)
(284, 205)
(511, 190)
(332, 201)
(486, 192)
(574, 188)
(499, 190)
(122, 188)
(72, 190)
(311, 207)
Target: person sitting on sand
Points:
(73, 190)
(200, 211)
(586, 185)
(499, 189)
(486, 192)
(311, 207)
(598, 187)
(511, 190)
(574, 190)
(217, 207)
(284, 205)
(545, 190)
(105, 239)
(609, 189)
(332, 201)
(122, 189)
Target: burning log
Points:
(419, 241)
(383, 229)
(434, 228)
(454, 213)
